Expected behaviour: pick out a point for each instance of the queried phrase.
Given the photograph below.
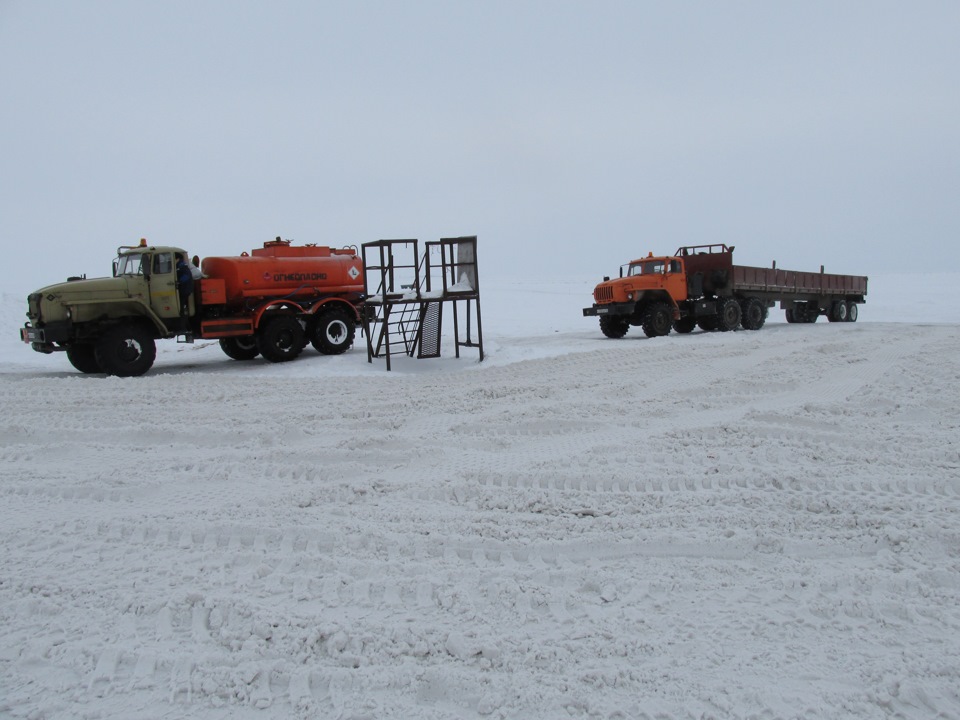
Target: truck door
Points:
(163, 286)
(675, 280)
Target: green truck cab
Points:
(110, 324)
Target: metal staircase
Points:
(403, 314)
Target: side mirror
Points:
(114, 268)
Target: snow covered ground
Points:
(724, 525)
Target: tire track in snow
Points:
(308, 578)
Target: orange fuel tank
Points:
(279, 269)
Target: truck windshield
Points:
(132, 263)
(650, 267)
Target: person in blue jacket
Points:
(184, 283)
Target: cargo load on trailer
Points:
(699, 286)
(272, 302)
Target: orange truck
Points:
(272, 302)
(699, 286)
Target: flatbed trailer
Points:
(699, 286)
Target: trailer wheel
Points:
(126, 351)
(852, 312)
(729, 315)
(280, 339)
(838, 313)
(801, 313)
(240, 348)
(658, 320)
(333, 332)
(753, 314)
(614, 327)
(83, 357)
(685, 325)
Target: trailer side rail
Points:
(746, 278)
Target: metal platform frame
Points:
(405, 296)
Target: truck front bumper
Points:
(42, 339)
(626, 308)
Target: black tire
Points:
(754, 314)
(280, 339)
(333, 331)
(657, 320)
(801, 313)
(84, 358)
(852, 312)
(708, 324)
(728, 315)
(126, 350)
(240, 348)
(685, 325)
(838, 313)
(614, 327)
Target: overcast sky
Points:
(569, 136)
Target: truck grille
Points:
(603, 293)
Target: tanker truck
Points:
(699, 286)
(272, 302)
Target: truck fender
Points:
(275, 306)
(336, 302)
(146, 312)
(650, 297)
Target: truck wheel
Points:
(83, 358)
(708, 324)
(658, 320)
(280, 339)
(729, 315)
(240, 348)
(685, 325)
(754, 314)
(614, 327)
(126, 351)
(838, 313)
(852, 312)
(333, 332)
